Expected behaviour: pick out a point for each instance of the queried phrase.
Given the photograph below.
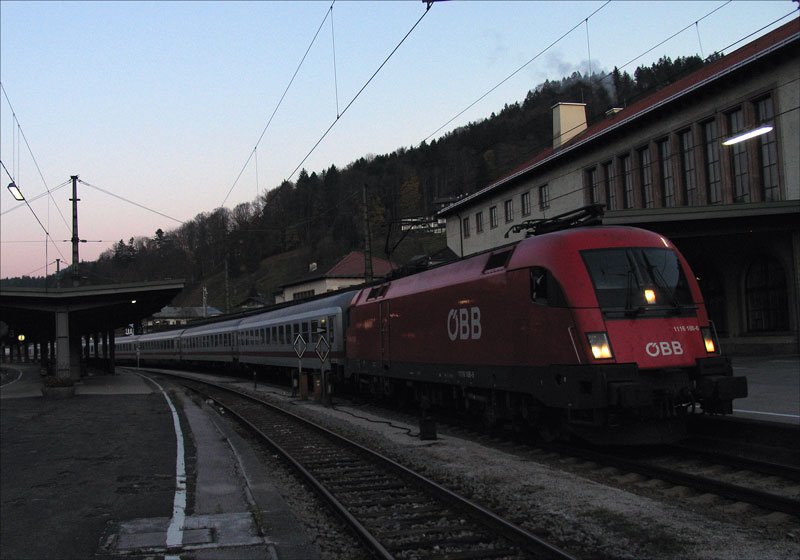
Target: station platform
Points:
(98, 476)
(773, 386)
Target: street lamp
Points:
(15, 192)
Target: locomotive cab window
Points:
(632, 282)
(545, 289)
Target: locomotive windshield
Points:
(631, 282)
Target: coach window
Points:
(314, 329)
(331, 330)
(305, 331)
(295, 331)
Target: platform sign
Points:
(299, 345)
(323, 349)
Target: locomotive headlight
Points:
(598, 342)
(650, 296)
(709, 339)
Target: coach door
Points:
(384, 316)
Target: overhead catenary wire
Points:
(46, 233)
(142, 206)
(328, 12)
(515, 72)
(35, 198)
(33, 157)
(394, 50)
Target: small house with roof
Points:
(348, 271)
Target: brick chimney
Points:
(569, 120)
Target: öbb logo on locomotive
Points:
(664, 348)
(464, 323)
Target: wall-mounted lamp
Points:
(15, 192)
(748, 135)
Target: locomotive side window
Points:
(545, 289)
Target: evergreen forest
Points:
(257, 246)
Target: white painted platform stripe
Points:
(19, 376)
(768, 413)
(176, 524)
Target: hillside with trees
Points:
(319, 216)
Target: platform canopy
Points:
(91, 309)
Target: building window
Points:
(741, 179)
(493, 217)
(646, 177)
(593, 179)
(611, 190)
(465, 223)
(509, 210)
(525, 199)
(711, 161)
(627, 181)
(544, 197)
(479, 222)
(767, 298)
(768, 152)
(665, 168)
(687, 168)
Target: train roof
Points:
(338, 300)
(544, 250)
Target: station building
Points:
(660, 164)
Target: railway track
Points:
(396, 512)
(766, 485)
(772, 486)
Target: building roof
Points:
(352, 266)
(186, 312)
(349, 266)
(749, 53)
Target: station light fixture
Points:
(15, 192)
(763, 129)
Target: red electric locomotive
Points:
(595, 331)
